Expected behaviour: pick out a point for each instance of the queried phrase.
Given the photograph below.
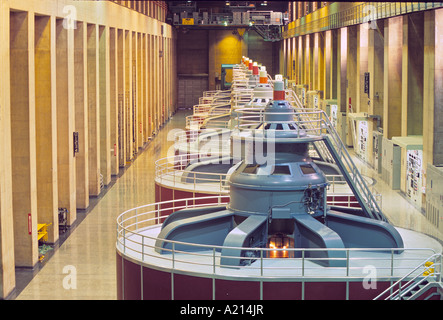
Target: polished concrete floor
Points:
(83, 265)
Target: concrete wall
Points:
(401, 55)
(216, 47)
(98, 68)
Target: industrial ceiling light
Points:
(264, 3)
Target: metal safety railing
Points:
(174, 172)
(429, 270)
(367, 12)
(316, 122)
(137, 235)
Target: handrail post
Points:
(303, 274)
(213, 260)
(261, 262)
(173, 255)
(347, 274)
(143, 248)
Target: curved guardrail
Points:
(173, 171)
(137, 231)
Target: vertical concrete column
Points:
(334, 64)
(300, 71)
(81, 114)
(429, 62)
(310, 61)
(104, 106)
(24, 172)
(375, 68)
(352, 80)
(293, 58)
(7, 263)
(319, 62)
(151, 127)
(328, 64)
(113, 100)
(93, 110)
(132, 115)
(412, 74)
(168, 79)
(362, 98)
(156, 83)
(140, 91)
(128, 96)
(162, 78)
(211, 58)
(351, 68)
(46, 124)
(433, 88)
(145, 87)
(306, 61)
(121, 82)
(342, 54)
(136, 91)
(65, 121)
(286, 60)
(315, 61)
(393, 34)
(322, 63)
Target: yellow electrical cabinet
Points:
(42, 230)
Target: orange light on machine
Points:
(263, 76)
(279, 242)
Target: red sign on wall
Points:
(29, 223)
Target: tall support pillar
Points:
(412, 75)
(145, 119)
(46, 124)
(81, 114)
(151, 127)
(300, 71)
(157, 114)
(121, 83)
(306, 60)
(113, 100)
(352, 80)
(23, 146)
(362, 98)
(392, 77)
(319, 62)
(433, 92)
(342, 45)
(140, 90)
(7, 263)
(330, 58)
(65, 121)
(135, 93)
(128, 97)
(293, 58)
(211, 58)
(93, 110)
(375, 68)
(104, 106)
